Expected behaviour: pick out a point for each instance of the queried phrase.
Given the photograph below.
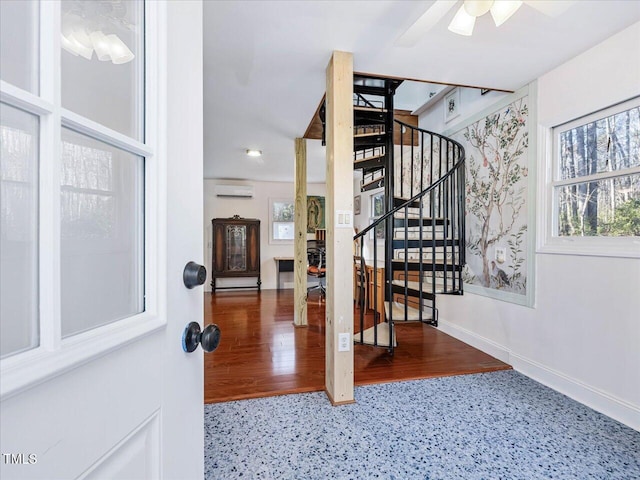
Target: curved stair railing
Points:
(424, 230)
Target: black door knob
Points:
(209, 338)
(194, 275)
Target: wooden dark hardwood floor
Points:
(261, 353)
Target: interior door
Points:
(101, 208)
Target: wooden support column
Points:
(300, 235)
(339, 242)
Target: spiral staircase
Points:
(418, 242)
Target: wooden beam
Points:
(339, 243)
(300, 235)
(435, 82)
(314, 129)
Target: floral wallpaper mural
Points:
(500, 194)
(411, 177)
(498, 211)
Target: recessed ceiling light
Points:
(254, 153)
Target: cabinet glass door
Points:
(236, 248)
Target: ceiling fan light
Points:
(118, 51)
(80, 44)
(462, 23)
(100, 45)
(477, 8)
(68, 45)
(502, 10)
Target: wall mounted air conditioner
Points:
(242, 191)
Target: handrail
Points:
(365, 100)
(431, 187)
(425, 191)
(443, 199)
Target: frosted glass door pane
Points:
(101, 233)
(103, 62)
(18, 230)
(19, 36)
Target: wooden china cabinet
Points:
(236, 250)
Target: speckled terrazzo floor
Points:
(499, 425)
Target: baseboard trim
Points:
(603, 402)
(600, 401)
(481, 343)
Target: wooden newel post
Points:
(300, 235)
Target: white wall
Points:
(583, 335)
(471, 101)
(256, 207)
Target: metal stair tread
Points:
(399, 215)
(368, 336)
(415, 286)
(413, 314)
(415, 235)
(369, 109)
(417, 260)
(368, 134)
(366, 159)
(376, 180)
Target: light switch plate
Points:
(344, 219)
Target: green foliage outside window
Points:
(598, 184)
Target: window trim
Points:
(56, 355)
(548, 241)
(275, 241)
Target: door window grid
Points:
(19, 37)
(101, 233)
(19, 134)
(102, 63)
(48, 109)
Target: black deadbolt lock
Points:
(209, 338)
(194, 275)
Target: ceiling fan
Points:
(465, 18)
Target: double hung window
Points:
(594, 187)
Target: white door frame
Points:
(162, 426)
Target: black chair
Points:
(316, 266)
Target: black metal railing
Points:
(360, 100)
(424, 234)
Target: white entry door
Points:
(101, 208)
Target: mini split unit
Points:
(242, 191)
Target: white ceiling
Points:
(264, 65)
